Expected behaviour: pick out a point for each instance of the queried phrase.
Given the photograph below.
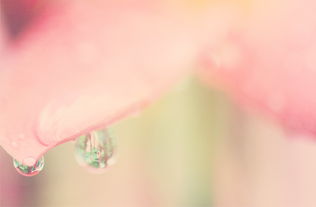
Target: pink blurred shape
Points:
(85, 64)
(80, 65)
(268, 59)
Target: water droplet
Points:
(95, 150)
(29, 166)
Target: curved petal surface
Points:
(268, 59)
(85, 64)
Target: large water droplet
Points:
(29, 166)
(95, 150)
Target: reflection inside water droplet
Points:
(29, 166)
(95, 150)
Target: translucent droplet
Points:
(29, 166)
(95, 150)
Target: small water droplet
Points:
(95, 150)
(29, 166)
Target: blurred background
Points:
(192, 148)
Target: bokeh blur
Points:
(193, 148)
(223, 90)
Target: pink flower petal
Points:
(268, 59)
(20, 14)
(84, 65)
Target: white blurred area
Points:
(194, 148)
